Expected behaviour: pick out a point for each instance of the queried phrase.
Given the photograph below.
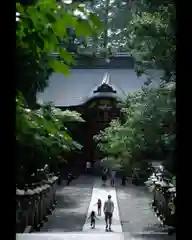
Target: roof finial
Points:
(106, 79)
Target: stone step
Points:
(95, 236)
(70, 236)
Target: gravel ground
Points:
(137, 217)
(72, 206)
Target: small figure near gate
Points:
(113, 173)
(69, 178)
(123, 180)
(88, 167)
(104, 177)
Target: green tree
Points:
(114, 15)
(147, 131)
(144, 28)
(42, 136)
(41, 28)
(152, 38)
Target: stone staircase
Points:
(93, 236)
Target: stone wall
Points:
(34, 203)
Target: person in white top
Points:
(88, 167)
(108, 211)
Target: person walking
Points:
(123, 179)
(99, 204)
(92, 217)
(88, 167)
(108, 211)
(104, 177)
(69, 178)
(113, 172)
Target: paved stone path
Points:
(135, 212)
(133, 218)
(102, 192)
(72, 206)
(137, 217)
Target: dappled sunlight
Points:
(71, 208)
(135, 212)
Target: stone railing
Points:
(34, 203)
(164, 196)
(90, 52)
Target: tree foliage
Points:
(114, 15)
(41, 28)
(147, 131)
(144, 28)
(152, 37)
(45, 27)
(41, 135)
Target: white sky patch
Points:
(67, 1)
(123, 3)
(118, 31)
(17, 16)
(79, 13)
(82, 5)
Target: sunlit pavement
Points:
(133, 218)
(102, 192)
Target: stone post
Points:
(36, 206)
(19, 212)
(29, 193)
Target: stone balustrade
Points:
(164, 195)
(34, 203)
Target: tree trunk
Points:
(106, 21)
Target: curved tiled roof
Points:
(105, 89)
(79, 87)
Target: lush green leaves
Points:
(43, 134)
(147, 31)
(151, 37)
(41, 29)
(148, 131)
(61, 67)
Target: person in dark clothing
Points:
(92, 217)
(123, 180)
(104, 176)
(69, 178)
(99, 204)
(113, 172)
(104, 179)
